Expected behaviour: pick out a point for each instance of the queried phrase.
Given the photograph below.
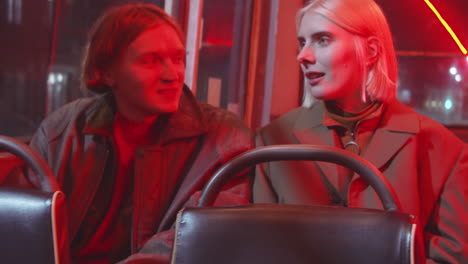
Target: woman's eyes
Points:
(319, 40)
(301, 43)
(323, 40)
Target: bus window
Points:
(43, 44)
(433, 62)
(224, 53)
(41, 49)
(26, 29)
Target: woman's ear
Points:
(373, 50)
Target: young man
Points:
(130, 158)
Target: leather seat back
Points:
(287, 233)
(278, 234)
(33, 223)
(32, 226)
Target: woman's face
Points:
(329, 61)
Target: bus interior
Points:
(241, 56)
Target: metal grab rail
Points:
(302, 152)
(33, 160)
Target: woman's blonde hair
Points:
(111, 35)
(365, 19)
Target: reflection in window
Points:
(40, 72)
(74, 20)
(434, 86)
(25, 53)
(432, 68)
(224, 53)
(14, 11)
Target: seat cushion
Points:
(292, 234)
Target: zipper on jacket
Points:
(352, 143)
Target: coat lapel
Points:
(384, 145)
(395, 128)
(309, 129)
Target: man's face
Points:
(148, 78)
(328, 60)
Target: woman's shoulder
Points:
(282, 129)
(289, 120)
(429, 130)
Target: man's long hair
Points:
(111, 35)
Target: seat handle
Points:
(33, 160)
(302, 152)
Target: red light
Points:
(447, 27)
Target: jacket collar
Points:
(187, 121)
(397, 125)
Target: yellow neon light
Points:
(447, 27)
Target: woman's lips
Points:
(314, 77)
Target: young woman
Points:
(349, 65)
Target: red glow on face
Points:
(149, 77)
(447, 26)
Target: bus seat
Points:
(8, 163)
(33, 224)
(285, 233)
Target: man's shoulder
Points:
(219, 117)
(70, 110)
(211, 117)
(226, 130)
(68, 113)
